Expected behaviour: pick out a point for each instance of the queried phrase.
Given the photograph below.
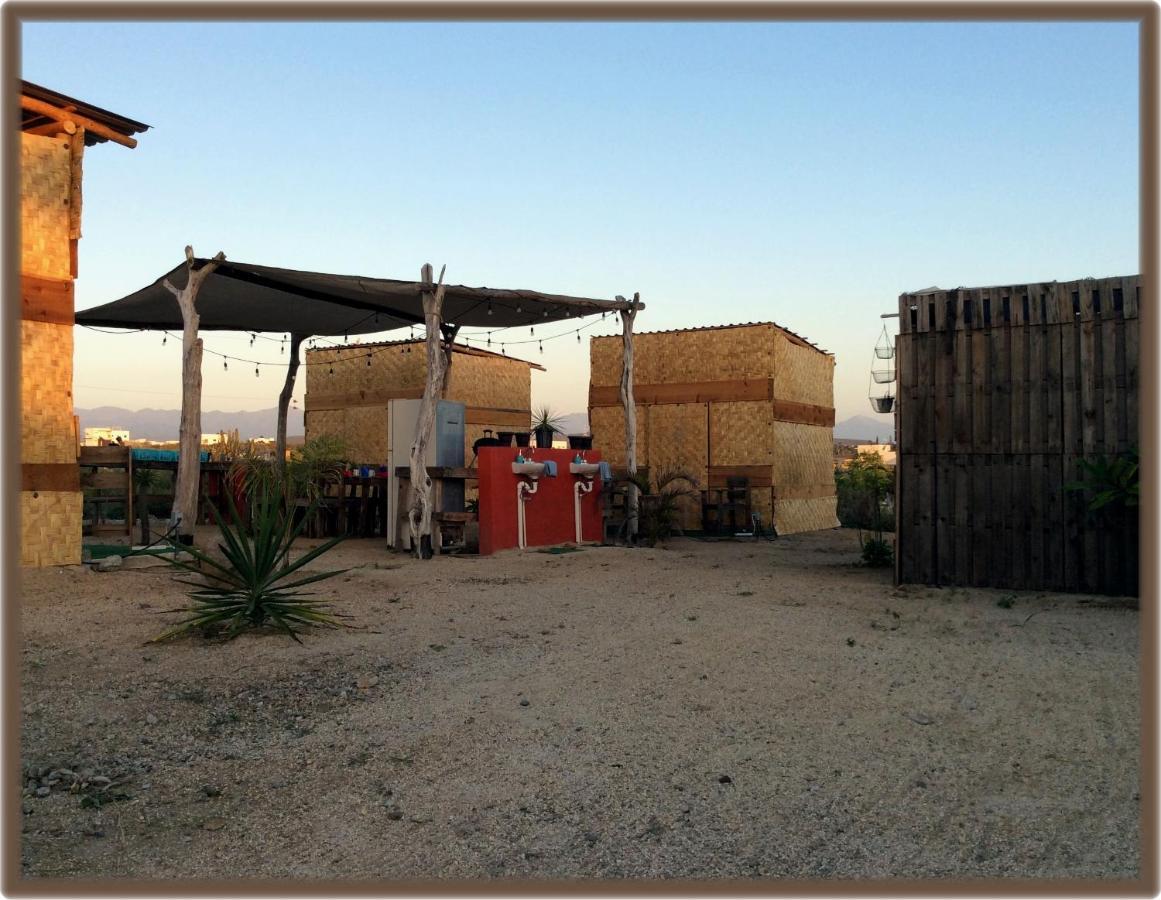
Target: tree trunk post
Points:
(189, 470)
(419, 505)
(284, 407)
(449, 333)
(630, 407)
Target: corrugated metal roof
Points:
(797, 337)
(457, 348)
(30, 119)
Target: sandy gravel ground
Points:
(705, 710)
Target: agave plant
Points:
(255, 585)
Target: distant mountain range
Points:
(865, 428)
(162, 424)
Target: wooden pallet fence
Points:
(1002, 393)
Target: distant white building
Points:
(95, 436)
(886, 452)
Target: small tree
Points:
(861, 489)
(661, 502)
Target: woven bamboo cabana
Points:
(349, 387)
(56, 129)
(227, 295)
(752, 401)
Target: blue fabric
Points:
(146, 454)
(550, 468)
(606, 471)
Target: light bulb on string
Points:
(578, 336)
(225, 365)
(489, 307)
(368, 360)
(332, 370)
(541, 346)
(519, 308)
(255, 371)
(164, 339)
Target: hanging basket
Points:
(885, 347)
(885, 376)
(883, 404)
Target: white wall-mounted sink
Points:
(528, 469)
(587, 469)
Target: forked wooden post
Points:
(189, 470)
(630, 407)
(284, 405)
(419, 506)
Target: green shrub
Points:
(864, 491)
(1114, 482)
(255, 585)
(878, 553)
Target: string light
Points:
(225, 365)
(164, 339)
(578, 336)
(531, 330)
(489, 307)
(368, 360)
(541, 346)
(332, 371)
(255, 371)
(518, 307)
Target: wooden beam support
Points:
(188, 480)
(64, 115)
(420, 502)
(46, 300)
(53, 128)
(50, 477)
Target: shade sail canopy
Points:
(246, 297)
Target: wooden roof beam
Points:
(64, 115)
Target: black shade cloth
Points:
(247, 297)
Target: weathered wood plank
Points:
(1055, 533)
(962, 401)
(1019, 337)
(963, 515)
(1018, 491)
(945, 526)
(979, 469)
(1036, 479)
(981, 405)
(924, 522)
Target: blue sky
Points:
(800, 173)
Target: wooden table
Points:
(438, 475)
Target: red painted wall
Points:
(549, 516)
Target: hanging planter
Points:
(885, 348)
(882, 402)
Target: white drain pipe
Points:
(583, 486)
(523, 490)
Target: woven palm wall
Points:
(347, 397)
(51, 502)
(747, 400)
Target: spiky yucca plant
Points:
(255, 585)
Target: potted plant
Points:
(545, 423)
